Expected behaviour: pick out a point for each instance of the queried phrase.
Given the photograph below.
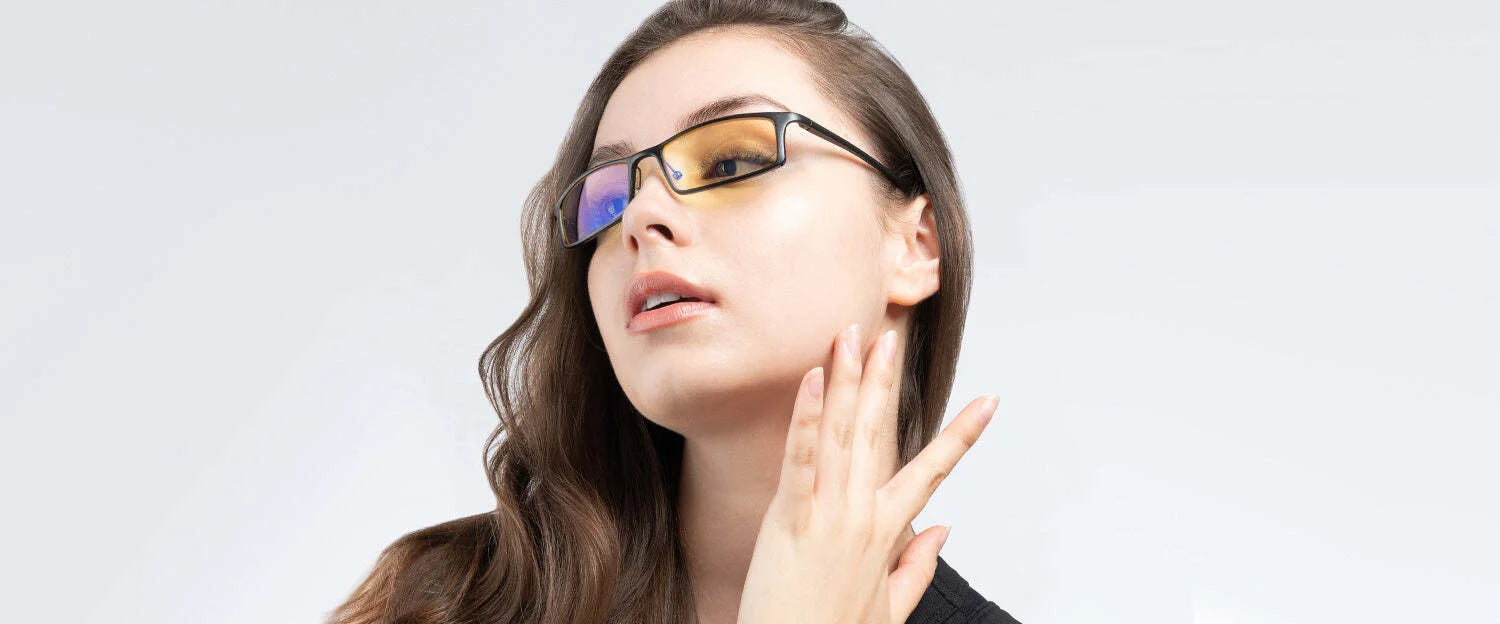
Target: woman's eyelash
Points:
(708, 163)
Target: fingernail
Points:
(946, 530)
(989, 409)
(815, 385)
(851, 341)
(889, 340)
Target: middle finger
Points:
(874, 420)
(836, 434)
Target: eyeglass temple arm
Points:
(828, 135)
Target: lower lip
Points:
(670, 315)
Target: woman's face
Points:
(792, 256)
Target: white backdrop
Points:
(1236, 287)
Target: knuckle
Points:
(873, 437)
(843, 434)
(795, 524)
(937, 478)
(968, 439)
(805, 457)
(879, 378)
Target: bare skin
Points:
(823, 552)
(801, 256)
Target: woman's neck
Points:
(728, 480)
(731, 467)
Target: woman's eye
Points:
(725, 168)
(738, 164)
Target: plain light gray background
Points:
(1236, 286)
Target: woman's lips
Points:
(668, 315)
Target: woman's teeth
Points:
(657, 300)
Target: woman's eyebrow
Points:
(716, 108)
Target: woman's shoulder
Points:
(950, 600)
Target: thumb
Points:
(915, 570)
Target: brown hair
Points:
(585, 524)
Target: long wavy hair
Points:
(585, 525)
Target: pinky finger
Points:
(799, 465)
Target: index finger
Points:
(910, 489)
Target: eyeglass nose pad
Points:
(638, 180)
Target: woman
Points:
(670, 448)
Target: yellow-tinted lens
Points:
(723, 150)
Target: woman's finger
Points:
(870, 428)
(914, 571)
(908, 492)
(799, 466)
(837, 431)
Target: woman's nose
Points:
(654, 205)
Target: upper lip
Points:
(644, 285)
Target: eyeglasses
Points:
(704, 156)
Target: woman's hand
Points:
(824, 550)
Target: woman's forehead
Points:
(668, 86)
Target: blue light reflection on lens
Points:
(603, 199)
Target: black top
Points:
(950, 600)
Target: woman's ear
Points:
(916, 251)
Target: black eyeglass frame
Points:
(780, 118)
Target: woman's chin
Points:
(698, 399)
